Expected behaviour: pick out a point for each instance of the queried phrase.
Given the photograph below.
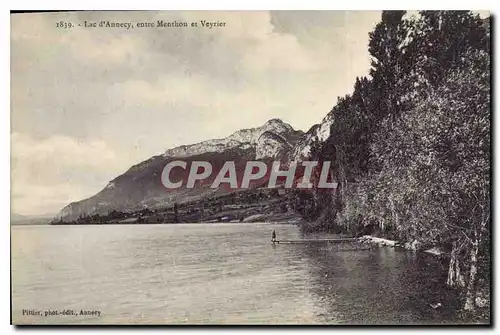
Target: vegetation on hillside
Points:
(411, 145)
(252, 205)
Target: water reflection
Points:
(382, 286)
(218, 273)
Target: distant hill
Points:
(17, 219)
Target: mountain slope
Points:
(318, 132)
(245, 138)
(140, 187)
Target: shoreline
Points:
(150, 224)
(383, 242)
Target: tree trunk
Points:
(471, 285)
(455, 278)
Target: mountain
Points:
(318, 132)
(256, 138)
(18, 219)
(140, 187)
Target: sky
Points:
(87, 103)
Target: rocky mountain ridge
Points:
(140, 186)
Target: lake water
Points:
(217, 274)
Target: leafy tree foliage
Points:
(411, 145)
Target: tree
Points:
(411, 146)
(434, 182)
(442, 39)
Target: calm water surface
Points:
(217, 273)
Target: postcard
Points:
(251, 168)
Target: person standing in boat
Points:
(273, 236)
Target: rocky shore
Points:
(414, 245)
